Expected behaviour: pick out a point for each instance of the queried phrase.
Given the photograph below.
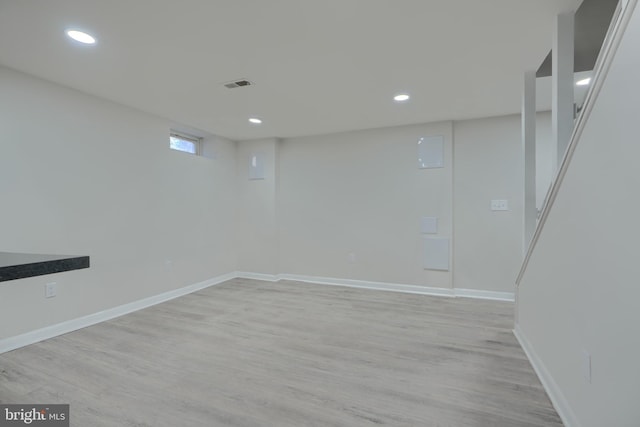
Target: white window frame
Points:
(196, 140)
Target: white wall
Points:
(80, 175)
(545, 156)
(488, 165)
(362, 193)
(580, 291)
(257, 214)
(348, 205)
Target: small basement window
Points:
(185, 143)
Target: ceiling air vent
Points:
(238, 83)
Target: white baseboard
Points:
(551, 387)
(47, 332)
(480, 294)
(257, 276)
(395, 287)
(380, 286)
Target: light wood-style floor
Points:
(251, 353)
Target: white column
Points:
(529, 154)
(562, 84)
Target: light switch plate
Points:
(499, 205)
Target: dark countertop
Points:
(18, 266)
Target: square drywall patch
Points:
(429, 225)
(436, 253)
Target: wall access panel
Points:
(431, 152)
(256, 166)
(436, 253)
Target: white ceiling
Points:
(318, 66)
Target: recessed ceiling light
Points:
(255, 120)
(583, 82)
(81, 37)
(401, 97)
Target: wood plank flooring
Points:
(251, 353)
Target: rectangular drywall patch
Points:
(436, 253)
(431, 152)
(429, 225)
(256, 166)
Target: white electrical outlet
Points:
(352, 258)
(50, 290)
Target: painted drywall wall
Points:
(487, 166)
(256, 209)
(580, 291)
(80, 175)
(545, 156)
(350, 205)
